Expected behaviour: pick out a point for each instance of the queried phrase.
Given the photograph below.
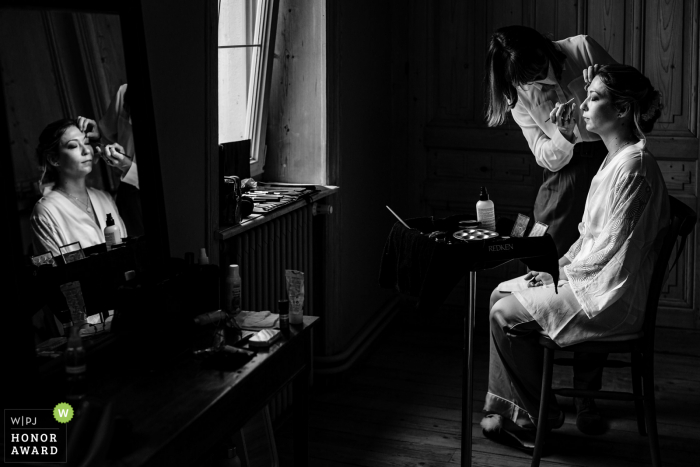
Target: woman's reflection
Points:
(71, 212)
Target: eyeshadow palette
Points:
(473, 235)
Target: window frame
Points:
(257, 108)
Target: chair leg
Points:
(637, 370)
(545, 394)
(650, 408)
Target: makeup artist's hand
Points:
(589, 73)
(563, 116)
(538, 279)
(89, 127)
(115, 156)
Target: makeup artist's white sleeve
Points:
(115, 127)
(132, 175)
(551, 151)
(584, 51)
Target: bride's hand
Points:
(538, 279)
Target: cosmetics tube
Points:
(295, 293)
(211, 317)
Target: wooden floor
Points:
(401, 406)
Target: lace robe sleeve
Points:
(574, 249)
(601, 277)
(44, 235)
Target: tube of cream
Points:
(295, 293)
(76, 304)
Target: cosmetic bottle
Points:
(283, 308)
(232, 290)
(112, 234)
(485, 212)
(76, 383)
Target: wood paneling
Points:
(459, 153)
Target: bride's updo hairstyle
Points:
(628, 88)
(47, 149)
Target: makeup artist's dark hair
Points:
(516, 55)
(629, 89)
(47, 149)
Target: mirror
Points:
(58, 64)
(20, 355)
(70, 59)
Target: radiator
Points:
(263, 254)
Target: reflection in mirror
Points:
(62, 65)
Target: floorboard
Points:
(400, 405)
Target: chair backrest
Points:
(681, 223)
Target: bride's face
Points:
(74, 154)
(597, 110)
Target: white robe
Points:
(56, 221)
(613, 260)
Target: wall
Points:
(297, 127)
(176, 45)
(442, 145)
(362, 75)
(330, 123)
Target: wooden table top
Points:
(183, 408)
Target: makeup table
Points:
(449, 261)
(181, 411)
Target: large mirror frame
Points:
(143, 117)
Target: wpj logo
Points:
(37, 435)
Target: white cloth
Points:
(612, 262)
(56, 221)
(552, 151)
(115, 127)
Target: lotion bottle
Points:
(232, 295)
(112, 234)
(485, 212)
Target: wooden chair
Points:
(640, 345)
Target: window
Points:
(246, 45)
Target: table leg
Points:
(300, 417)
(467, 374)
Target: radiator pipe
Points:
(363, 340)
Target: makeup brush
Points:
(565, 103)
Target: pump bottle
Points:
(485, 212)
(112, 234)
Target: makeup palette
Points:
(474, 235)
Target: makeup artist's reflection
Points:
(119, 153)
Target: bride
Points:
(604, 276)
(71, 212)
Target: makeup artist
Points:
(116, 132)
(532, 77)
(71, 212)
(540, 82)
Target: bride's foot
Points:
(504, 431)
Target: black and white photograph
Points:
(335, 233)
